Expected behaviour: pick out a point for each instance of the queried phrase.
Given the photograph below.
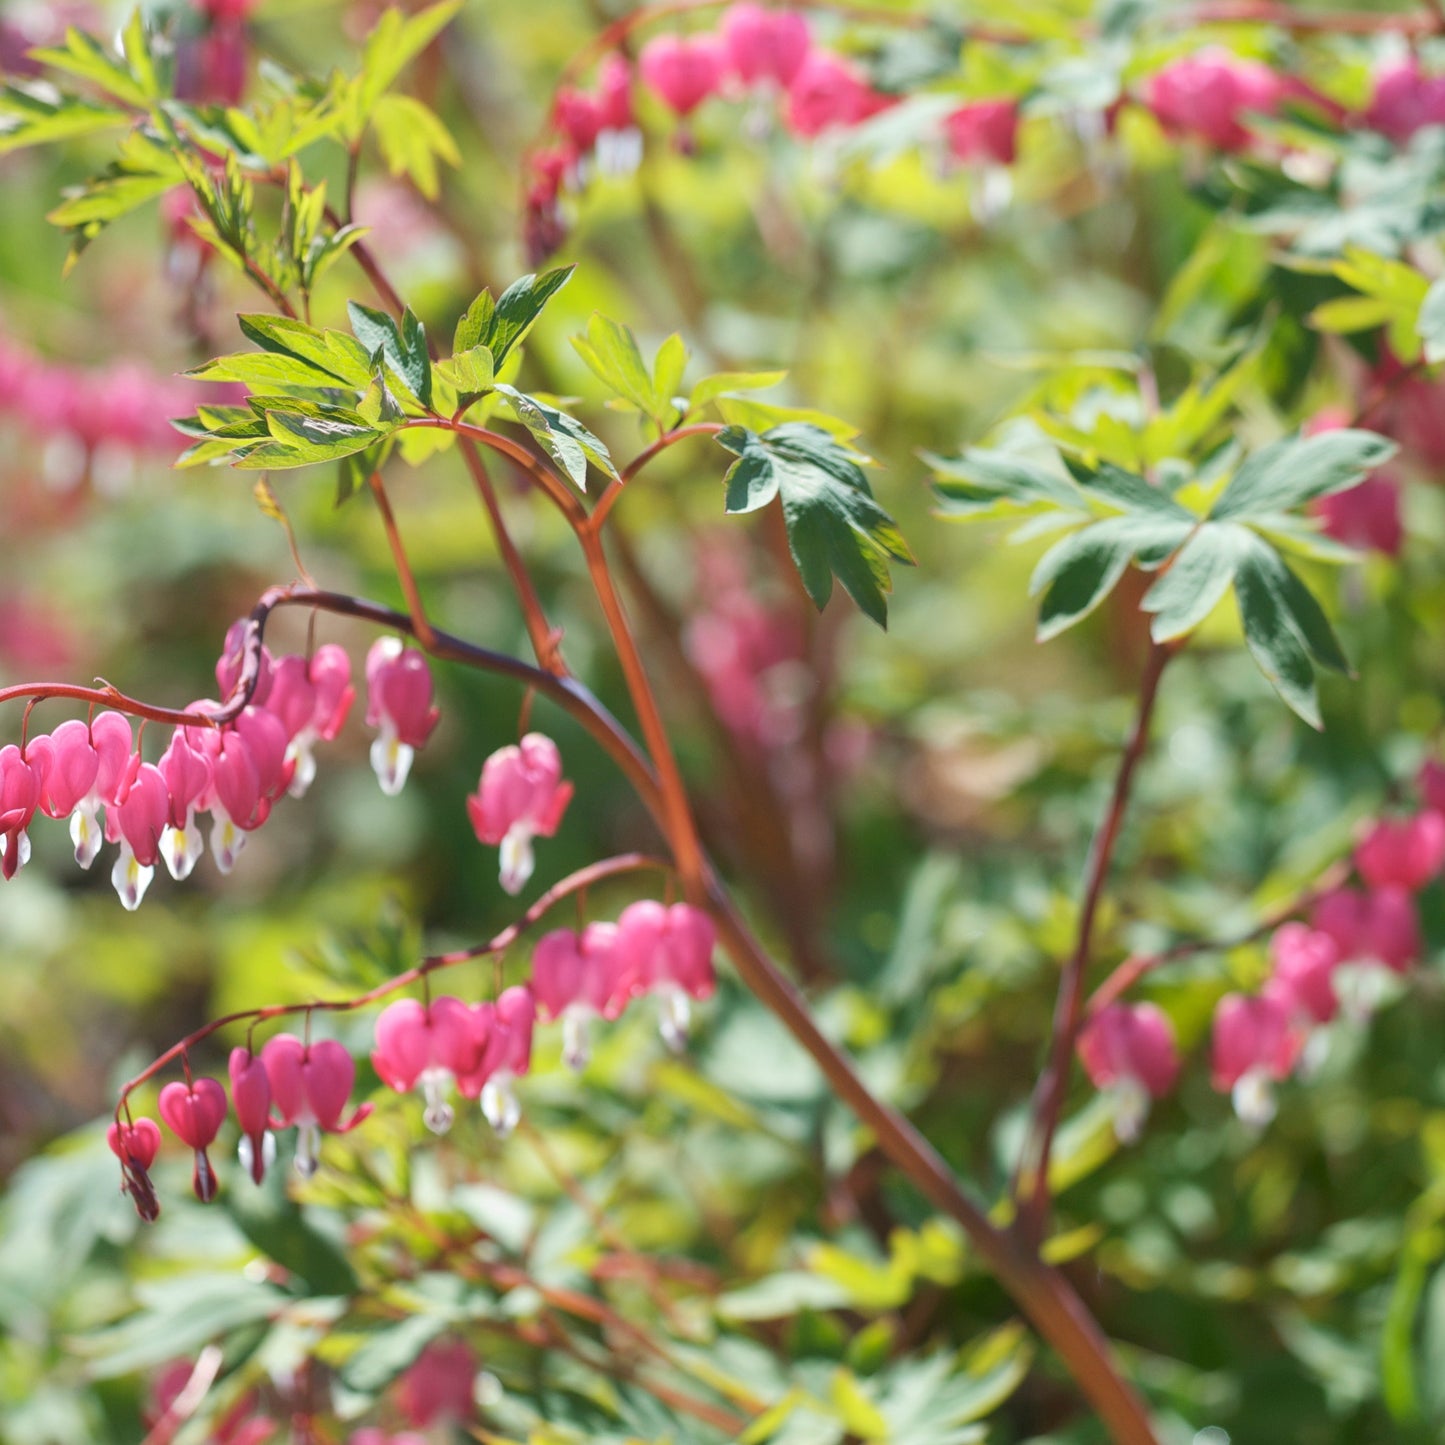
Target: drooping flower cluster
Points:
(1337, 962)
(651, 949)
(93, 772)
(91, 420)
(479, 1050)
(763, 57)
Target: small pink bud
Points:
(251, 1096)
(229, 667)
(578, 116)
(1402, 853)
(137, 1142)
(135, 1145)
(682, 70)
(764, 45)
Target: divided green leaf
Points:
(835, 528)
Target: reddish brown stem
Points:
(545, 641)
(424, 632)
(615, 489)
(1052, 1088)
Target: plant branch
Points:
(616, 488)
(1033, 1173)
(423, 629)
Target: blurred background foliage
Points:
(911, 836)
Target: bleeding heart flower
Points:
(765, 45)
(983, 131)
(20, 792)
(1402, 853)
(521, 796)
(682, 70)
(574, 978)
(429, 1045)
(1255, 1046)
(1208, 95)
(1378, 927)
(1305, 961)
(138, 820)
(399, 703)
(440, 1386)
(505, 1029)
(310, 1085)
(187, 775)
(827, 92)
(667, 952)
(194, 1113)
(251, 1096)
(1129, 1051)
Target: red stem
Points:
(1068, 1010)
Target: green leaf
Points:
(270, 370)
(667, 369)
(835, 528)
(517, 308)
(84, 56)
(331, 352)
(277, 1226)
(413, 139)
(984, 483)
(1197, 579)
(1294, 471)
(469, 372)
(1082, 569)
(761, 416)
(723, 383)
(561, 436)
(29, 118)
(388, 1351)
(1431, 322)
(394, 42)
(611, 353)
(1285, 628)
(1131, 493)
(403, 348)
(1348, 314)
(302, 435)
(860, 1416)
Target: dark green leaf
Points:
(563, 437)
(517, 308)
(1082, 569)
(835, 528)
(1196, 580)
(403, 347)
(1298, 469)
(984, 483)
(275, 1224)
